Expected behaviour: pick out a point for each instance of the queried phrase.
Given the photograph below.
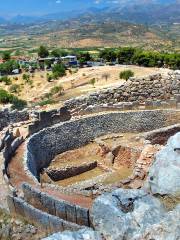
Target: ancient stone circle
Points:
(143, 205)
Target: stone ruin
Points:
(47, 192)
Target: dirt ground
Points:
(89, 153)
(76, 83)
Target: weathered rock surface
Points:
(164, 174)
(83, 234)
(167, 229)
(124, 213)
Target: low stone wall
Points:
(48, 223)
(59, 208)
(42, 119)
(7, 117)
(61, 174)
(46, 119)
(162, 135)
(45, 145)
(8, 146)
(154, 87)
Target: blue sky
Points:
(37, 7)
(42, 6)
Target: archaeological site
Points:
(104, 166)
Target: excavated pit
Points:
(73, 157)
(125, 157)
(84, 158)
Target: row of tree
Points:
(125, 55)
(128, 55)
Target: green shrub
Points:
(43, 52)
(56, 89)
(6, 80)
(17, 103)
(15, 88)
(126, 74)
(46, 102)
(49, 77)
(26, 78)
(92, 81)
(6, 55)
(7, 67)
(55, 75)
(59, 70)
(4, 96)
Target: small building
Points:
(69, 60)
(48, 59)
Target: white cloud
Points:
(97, 1)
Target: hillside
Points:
(85, 33)
(146, 24)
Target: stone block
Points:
(48, 204)
(19, 207)
(82, 216)
(60, 207)
(71, 226)
(71, 213)
(55, 224)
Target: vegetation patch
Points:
(6, 98)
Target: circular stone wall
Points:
(43, 146)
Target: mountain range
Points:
(149, 24)
(137, 11)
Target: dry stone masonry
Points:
(46, 144)
(154, 90)
(146, 206)
(8, 117)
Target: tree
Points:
(126, 74)
(125, 55)
(6, 56)
(48, 63)
(8, 66)
(59, 53)
(55, 53)
(43, 52)
(108, 55)
(59, 70)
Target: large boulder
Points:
(83, 234)
(125, 213)
(167, 229)
(164, 174)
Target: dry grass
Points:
(75, 84)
